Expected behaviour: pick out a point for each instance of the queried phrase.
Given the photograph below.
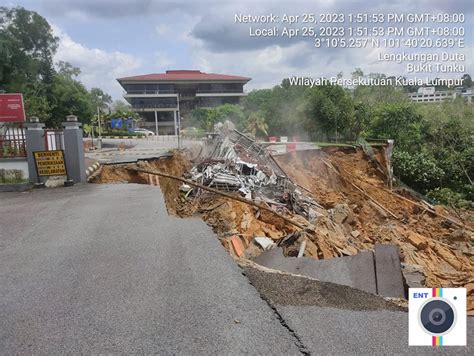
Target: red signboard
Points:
(11, 108)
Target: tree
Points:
(120, 105)
(100, 99)
(329, 111)
(255, 124)
(27, 48)
(257, 100)
(70, 97)
(419, 170)
(67, 70)
(399, 122)
(36, 101)
(467, 80)
(206, 118)
(357, 73)
(282, 106)
(361, 119)
(233, 113)
(449, 137)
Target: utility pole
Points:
(99, 145)
(179, 126)
(92, 134)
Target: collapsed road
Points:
(317, 206)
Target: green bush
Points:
(418, 170)
(449, 197)
(11, 176)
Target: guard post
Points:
(34, 142)
(74, 149)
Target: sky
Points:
(109, 39)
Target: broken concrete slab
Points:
(353, 271)
(265, 242)
(414, 276)
(285, 288)
(388, 271)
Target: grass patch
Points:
(332, 144)
(9, 176)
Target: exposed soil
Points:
(359, 214)
(441, 249)
(175, 165)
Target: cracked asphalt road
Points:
(104, 269)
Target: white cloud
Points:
(99, 68)
(268, 66)
(162, 29)
(162, 60)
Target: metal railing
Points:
(155, 106)
(150, 92)
(217, 91)
(54, 140)
(12, 140)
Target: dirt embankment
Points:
(175, 165)
(354, 189)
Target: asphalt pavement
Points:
(336, 331)
(104, 269)
(136, 149)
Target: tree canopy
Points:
(51, 92)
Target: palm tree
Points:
(255, 124)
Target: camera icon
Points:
(437, 317)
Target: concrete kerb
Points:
(126, 137)
(91, 169)
(15, 187)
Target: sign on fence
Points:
(50, 163)
(11, 108)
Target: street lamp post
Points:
(92, 134)
(99, 140)
(179, 126)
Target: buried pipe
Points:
(230, 196)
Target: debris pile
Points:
(340, 196)
(238, 163)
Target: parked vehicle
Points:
(144, 132)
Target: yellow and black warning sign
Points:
(50, 163)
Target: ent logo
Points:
(420, 295)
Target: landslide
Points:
(359, 211)
(437, 242)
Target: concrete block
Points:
(388, 271)
(353, 271)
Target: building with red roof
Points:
(162, 98)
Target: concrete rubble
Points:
(235, 162)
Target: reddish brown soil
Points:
(442, 249)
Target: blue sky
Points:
(113, 38)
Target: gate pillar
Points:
(74, 150)
(34, 142)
